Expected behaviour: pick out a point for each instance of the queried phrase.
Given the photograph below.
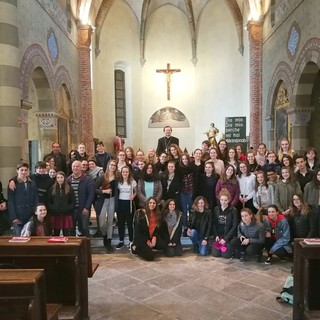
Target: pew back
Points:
(67, 267)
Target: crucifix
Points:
(168, 72)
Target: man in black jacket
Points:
(102, 157)
(43, 181)
(59, 158)
(303, 175)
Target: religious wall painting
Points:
(168, 116)
(282, 125)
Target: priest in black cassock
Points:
(165, 142)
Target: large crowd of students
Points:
(230, 203)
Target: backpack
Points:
(287, 291)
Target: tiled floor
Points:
(187, 287)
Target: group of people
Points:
(228, 202)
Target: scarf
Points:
(93, 173)
(274, 224)
(171, 219)
(148, 177)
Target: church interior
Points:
(83, 71)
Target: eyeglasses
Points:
(296, 199)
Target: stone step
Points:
(115, 239)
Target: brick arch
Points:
(306, 71)
(34, 58)
(282, 73)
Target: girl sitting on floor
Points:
(172, 226)
(147, 231)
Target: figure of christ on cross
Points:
(168, 72)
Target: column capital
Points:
(48, 120)
(84, 35)
(269, 118)
(300, 115)
(255, 31)
(252, 23)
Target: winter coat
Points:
(284, 193)
(22, 201)
(85, 192)
(61, 203)
(254, 231)
(232, 221)
(157, 192)
(205, 224)
(234, 190)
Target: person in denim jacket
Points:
(277, 234)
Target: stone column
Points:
(85, 114)
(299, 119)
(255, 72)
(26, 106)
(10, 120)
(271, 145)
(48, 125)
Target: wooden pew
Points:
(22, 294)
(67, 267)
(306, 301)
(92, 267)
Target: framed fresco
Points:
(282, 123)
(282, 126)
(168, 116)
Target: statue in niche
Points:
(63, 103)
(282, 99)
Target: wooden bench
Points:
(306, 301)
(92, 267)
(23, 295)
(52, 311)
(67, 267)
(312, 315)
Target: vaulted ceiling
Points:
(94, 12)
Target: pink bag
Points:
(218, 246)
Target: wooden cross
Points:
(168, 72)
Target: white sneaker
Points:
(131, 250)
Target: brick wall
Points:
(255, 48)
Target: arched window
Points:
(273, 12)
(120, 103)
